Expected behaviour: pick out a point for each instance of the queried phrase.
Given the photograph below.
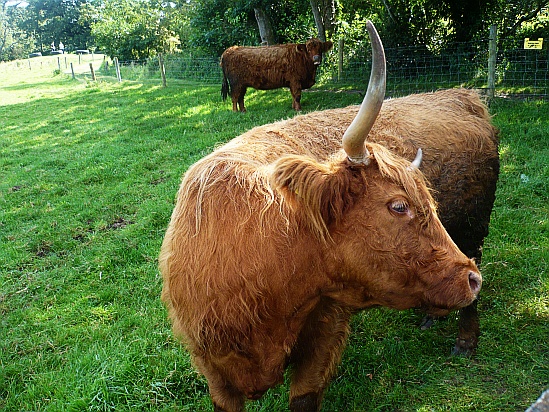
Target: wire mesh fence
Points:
(523, 72)
(518, 72)
(415, 69)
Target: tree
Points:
(324, 15)
(14, 43)
(130, 29)
(218, 24)
(521, 17)
(52, 21)
(265, 27)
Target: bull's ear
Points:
(327, 46)
(301, 48)
(319, 192)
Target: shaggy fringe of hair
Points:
(322, 191)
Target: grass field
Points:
(88, 177)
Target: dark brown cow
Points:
(279, 236)
(271, 67)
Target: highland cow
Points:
(271, 67)
(280, 235)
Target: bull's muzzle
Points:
(317, 59)
(475, 282)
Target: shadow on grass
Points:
(89, 179)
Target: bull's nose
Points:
(475, 282)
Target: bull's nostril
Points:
(475, 281)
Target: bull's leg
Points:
(469, 331)
(241, 99)
(469, 322)
(234, 98)
(225, 397)
(237, 96)
(317, 355)
(296, 97)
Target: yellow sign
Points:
(533, 44)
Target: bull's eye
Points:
(399, 206)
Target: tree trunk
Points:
(265, 27)
(318, 20)
(324, 14)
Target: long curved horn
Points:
(356, 133)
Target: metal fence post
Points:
(117, 67)
(492, 56)
(162, 69)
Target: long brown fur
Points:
(277, 238)
(271, 67)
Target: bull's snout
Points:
(475, 282)
(317, 59)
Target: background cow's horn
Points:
(355, 135)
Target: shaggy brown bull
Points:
(279, 236)
(271, 67)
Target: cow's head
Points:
(314, 49)
(377, 219)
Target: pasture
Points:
(88, 178)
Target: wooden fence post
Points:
(92, 72)
(117, 67)
(162, 69)
(72, 70)
(340, 60)
(59, 63)
(492, 56)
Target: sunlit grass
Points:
(89, 174)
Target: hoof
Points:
(464, 347)
(309, 402)
(427, 322)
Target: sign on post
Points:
(533, 44)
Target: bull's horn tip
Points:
(417, 161)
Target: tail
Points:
(225, 84)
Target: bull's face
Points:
(314, 48)
(393, 245)
(384, 242)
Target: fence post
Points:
(72, 70)
(492, 56)
(59, 63)
(92, 72)
(340, 60)
(117, 67)
(162, 69)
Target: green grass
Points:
(88, 176)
